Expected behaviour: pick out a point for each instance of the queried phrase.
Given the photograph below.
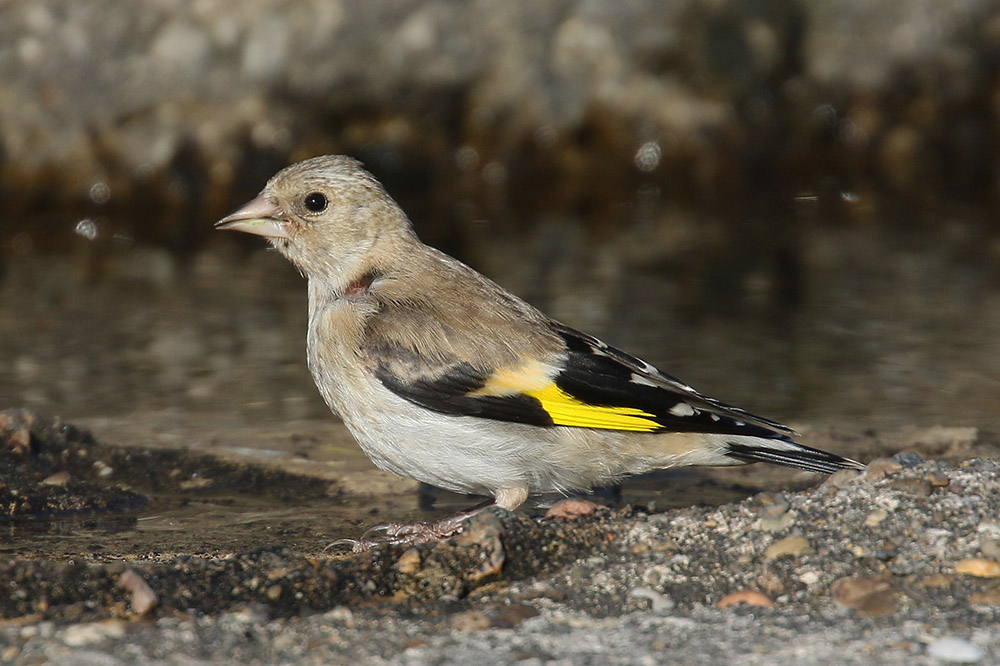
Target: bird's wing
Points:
(588, 384)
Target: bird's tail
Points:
(783, 451)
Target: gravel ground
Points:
(898, 565)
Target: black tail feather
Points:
(803, 457)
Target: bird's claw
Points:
(351, 544)
(392, 534)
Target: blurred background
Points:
(790, 205)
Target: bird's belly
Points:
(458, 453)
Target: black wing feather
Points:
(803, 457)
(448, 393)
(600, 374)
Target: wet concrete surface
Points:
(891, 560)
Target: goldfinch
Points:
(444, 377)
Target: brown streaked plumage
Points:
(443, 376)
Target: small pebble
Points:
(409, 562)
(880, 605)
(937, 479)
(989, 527)
(919, 487)
(776, 524)
(854, 591)
(658, 602)
(512, 616)
(252, 614)
(748, 597)
(15, 431)
(791, 546)
(771, 583)
(990, 547)
(955, 650)
(774, 510)
(470, 620)
(886, 553)
(908, 458)
(978, 566)
(144, 599)
(937, 580)
(774, 513)
(876, 517)
(571, 508)
(88, 633)
(483, 531)
(990, 597)
(341, 614)
(776, 501)
(809, 578)
(841, 478)
(59, 479)
(881, 468)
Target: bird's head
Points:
(324, 214)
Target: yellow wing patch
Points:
(534, 380)
(566, 410)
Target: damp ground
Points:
(901, 561)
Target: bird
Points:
(445, 377)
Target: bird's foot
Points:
(411, 534)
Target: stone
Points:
(919, 487)
(470, 620)
(144, 599)
(790, 546)
(484, 531)
(571, 508)
(658, 602)
(866, 595)
(88, 633)
(748, 597)
(978, 566)
(882, 467)
(990, 597)
(512, 615)
(955, 650)
(409, 562)
(59, 479)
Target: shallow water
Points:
(884, 328)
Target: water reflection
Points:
(856, 324)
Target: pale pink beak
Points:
(260, 216)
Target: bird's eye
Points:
(316, 202)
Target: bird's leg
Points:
(424, 532)
(511, 498)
